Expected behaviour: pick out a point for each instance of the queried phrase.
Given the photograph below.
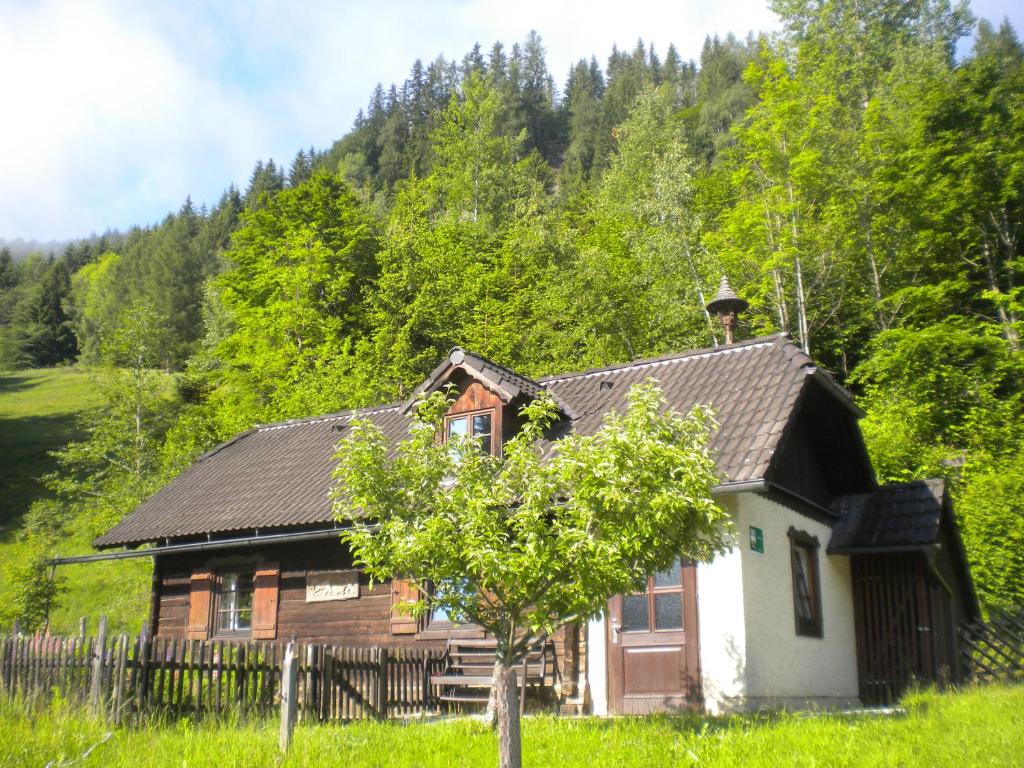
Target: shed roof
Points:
(904, 515)
(280, 475)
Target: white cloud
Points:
(103, 120)
(114, 111)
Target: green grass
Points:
(38, 414)
(38, 410)
(975, 727)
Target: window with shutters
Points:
(803, 550)
(234, 602)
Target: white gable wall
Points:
(750, 652)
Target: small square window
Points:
(439, 616)
(803, 550)
(476, 425)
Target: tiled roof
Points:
(280, 475)
(905, 515)
(504, 381)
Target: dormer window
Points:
(478, 425)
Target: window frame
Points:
(468, 415)
(651, 592)
(433, 629)
(803, 541)
(246, 573)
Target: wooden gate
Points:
(905, 629)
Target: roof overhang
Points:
(504, 383)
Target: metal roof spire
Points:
(726, 306)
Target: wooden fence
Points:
(126, 677)
(994, 650)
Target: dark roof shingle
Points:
(904, 515)
(279, 475)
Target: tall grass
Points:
(975, 727)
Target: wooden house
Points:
(835, 591)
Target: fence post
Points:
(310, 694)
(382, 684)
(6, 651)
(81, 627)
(97, 667)
(289, 692)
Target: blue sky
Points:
(114, 111)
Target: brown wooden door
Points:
(652, 645)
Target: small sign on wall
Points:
(756, 539)
(322, 586)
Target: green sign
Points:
(756, 540)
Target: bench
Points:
(469, 671)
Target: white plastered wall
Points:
(597, 666)
(751, 655)
(723, 630)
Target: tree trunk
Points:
(506, 711)
(798, 276)
(1005, 319)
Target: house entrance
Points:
(652, 645)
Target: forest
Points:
(860, 184)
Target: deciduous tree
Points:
(542, 535)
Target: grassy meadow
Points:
(974, 727)
(39, 412)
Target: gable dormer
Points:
(487, 397)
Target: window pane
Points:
(228, 602)
(668, 610)
(671, 577)
(458, 426)
(439, 613)
(804, 609)
(482, 424)
(485, 443)
(634, 613)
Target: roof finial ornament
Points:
(726, 306)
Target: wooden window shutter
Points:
(402, 622)
(199, 605)
(264, 601)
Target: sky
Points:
(112, 112)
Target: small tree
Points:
(541, 536)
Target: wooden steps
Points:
(469, 669)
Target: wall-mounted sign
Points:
(322, 586)
(756, 540)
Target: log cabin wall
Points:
(364, 621)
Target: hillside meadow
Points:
(976, 727)
(40, 411)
